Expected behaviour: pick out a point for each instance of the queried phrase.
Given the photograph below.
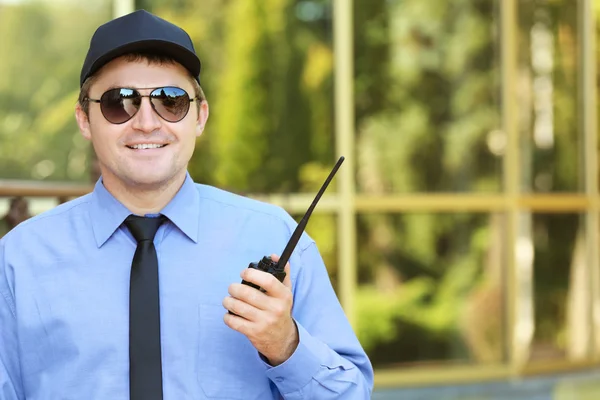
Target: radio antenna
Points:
(289, 248)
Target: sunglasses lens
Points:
(171, 103)
(119, 105)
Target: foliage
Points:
(265, 69)
(428, 118)
(427, 85)
(437, 103)
(38, 88)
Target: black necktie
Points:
(145, 369)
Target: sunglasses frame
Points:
(99, 101)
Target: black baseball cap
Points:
(139, 31)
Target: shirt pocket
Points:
(229, 367)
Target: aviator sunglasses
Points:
(119, 105)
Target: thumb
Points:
(287, 280)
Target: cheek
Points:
(102, 136)
(188, 132)
(96, 118)
(188, 142)
(188, 146)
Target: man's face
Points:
(147, 168)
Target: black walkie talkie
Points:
(277, 268)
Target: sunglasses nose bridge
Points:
(146, 119)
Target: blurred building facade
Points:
(462, 231)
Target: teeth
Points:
(146, 146)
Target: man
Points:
(126, 292)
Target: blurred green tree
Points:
(427, 117)
(42, 49)
(268, 78)
(435, 126)
(427, 100)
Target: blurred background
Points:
(462, 232)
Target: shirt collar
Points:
(107, 213)
(184, 209)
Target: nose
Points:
(146, 119)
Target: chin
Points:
(150, 181)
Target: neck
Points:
(144, 199)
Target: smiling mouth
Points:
(146, 146)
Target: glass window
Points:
(548, 96)
(561, 289)
(43, 48)
(427, 96)
(268, 76)
(431, 288)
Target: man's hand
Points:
(265, 318)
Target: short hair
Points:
(151, 58)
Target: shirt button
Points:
(278, 379)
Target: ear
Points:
(202, 118)
(83, 122)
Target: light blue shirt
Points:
(64, 304)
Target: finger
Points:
(265, 280)
(249, 295)
(237, 323)
(240, 308)
(287, 281)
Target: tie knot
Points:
(143, 228)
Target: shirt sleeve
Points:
(10, 378)
(329, 362)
